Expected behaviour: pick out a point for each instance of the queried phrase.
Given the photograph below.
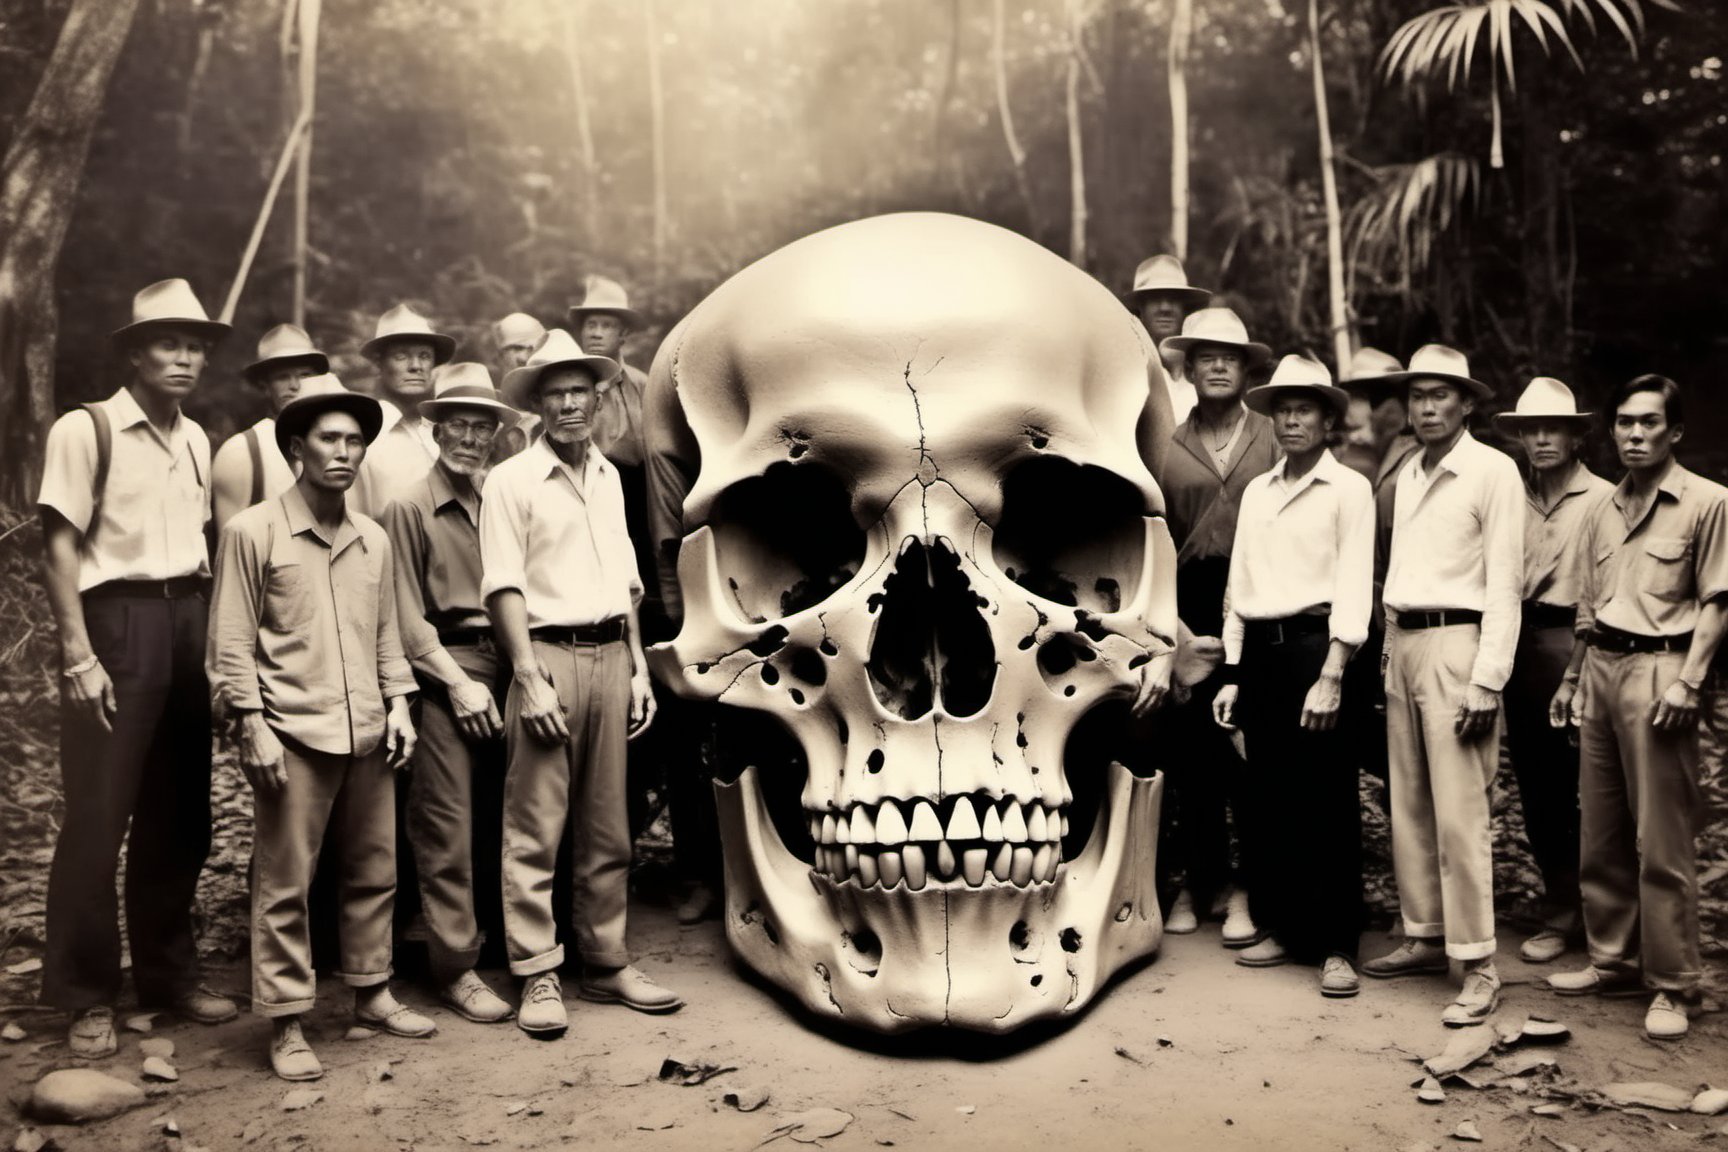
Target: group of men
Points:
(1392, 593)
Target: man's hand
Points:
(1154, 684)
(399, 736)
(1677, 710)
(1560, 711)
(1224, 707)
(541, 713)
(93, 693)
(641, 704)
(1477, 714)
(475, 711)
(261, 757)
(1320, 708)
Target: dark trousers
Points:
(152, 773)
(1302, 840)
(1545, 762)
(688, 748)
(1362, 717)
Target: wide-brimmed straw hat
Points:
(1438, 362)
(1300, 374)
(321, 394)
(167, 304)
(464, 385)
(1368, 368)
(517, 330)
(557, 350)
(604, 297)
(285, 345)
(1217, 326)
(403, 323)
(1544, 398)
(1163, 273)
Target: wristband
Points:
(1698, 687)
(1229, 673)
(81, 667)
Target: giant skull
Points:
(924, 538)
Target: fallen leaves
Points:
(156, 1068)
(810, 1126)
(689, 1073)
(745, 1098)
(1648, 1094)
(1466, 1046)
(1468, 1132)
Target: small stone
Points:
(967, 1109)
(1548, 1110)
(1648, 1094)
(156, 1068)
(379, 1072)
(142, 1022)
(1711, 1102)
(171, 1127)
(1541, 1030)
(1430, 1092)
(1467, 1130)
(301, 1098)
(74, 1095)
(30, 1140)
(745, 1097)
(515, 1108)
(12, 1033)
(356, 1032)
(1166, 1042)
(157, 1046)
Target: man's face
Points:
(602, 336)
(331, 451)
(464, 437)
(1642, 434)
(1550, 444)
(169, 362)
(1438, 409)
(283, 384)
(1390, 418)
(565, 404)
(1163, 313)
(1356, 448)
(514, 356)
(405, 370)
(1217, 370)
(1301, 423)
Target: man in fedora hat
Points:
(124, 501)
(1162, 298)
(1301, 586)
(1452, 597)
(306, 661)
(434, 529)
(406, 350)
(561, 585)
(1561, 494)
(1217, 450)
(249, 468)
(514, 337)
(1652, 610)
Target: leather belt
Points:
(1440, 618)
(605, 632)
(1285, 630)
(177, 588)
(464, 637)
(1611, 639)
(1540, 615)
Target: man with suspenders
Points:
(249, 467)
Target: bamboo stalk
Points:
(259, 225)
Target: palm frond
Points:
(1394, 230)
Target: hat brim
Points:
(434, 409)
(1512, 421)
(1192, 297)
(317, 361)
(212, 330)
(1264, 397)
(443, 347)
(1256, 352)
(521, 383)
(632, 318)
(1399, 379)
(299, 414)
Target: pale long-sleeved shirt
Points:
(1302, 546)
(1653, 577)
(1553, 538)
(1458, 542)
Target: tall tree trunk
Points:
(1016, 153)
(1339, 305)
(584, 130)
(39, 181)
(657, 108)
(1076, 149)
(1181, 31)
(939, 147)
(309, 12)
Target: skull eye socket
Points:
(786, 540)
(1071, 533)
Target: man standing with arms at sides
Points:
(406, 350)
(124, 500)
(306, 660)
(1452, 614)
(1561, 497)
(1651, 618)
(249, 468)
(561, 585)
(1215, 453)
(515, 337)
(1162, 298)
(435, 533)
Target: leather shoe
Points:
(1182, 921)
(1338, 978)
(384, 1012)
(473, 1000)
(703, 903)
(1545, 947)
(91, 1035)
(1268, 953)
(1594, 981)
(201, 1005)
(629, 987)
(1239, 930)
(1476, 1001)
(291, 1058)
(1669, 1017)
(542, 1011)
(1414, 957)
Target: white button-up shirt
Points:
(558, 537)
(1458, 542)
(401, 456)
(1302, 545)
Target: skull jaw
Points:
(990, 959)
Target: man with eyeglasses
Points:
(434, 528)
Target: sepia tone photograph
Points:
(667, 574)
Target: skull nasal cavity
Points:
(930, 638)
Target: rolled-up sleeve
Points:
(1353, 579)
(408, 560)
(1588, 587)
(503, 536)
(1503, 567)
(231, 646)
(1233, 627)
(395, 677)
(69, 469)
(1710, 551)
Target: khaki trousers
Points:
(1640, 801)
(1442, 844)
(355, 797)
(583, 781)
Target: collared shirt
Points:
(1553, 537)
(435, 536)
(402, 454)
(232, 468)
(1458, 542)
(155, 502)
(558, 537)
(1652, 577)
(303, 627)
(1303, 545)
(674, 458)
(1200, 499)
(618, 419)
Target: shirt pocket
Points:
(287, 598)
(1668, 568)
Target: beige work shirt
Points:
(618, 419)
(155, 502)
(558, 537)
(1553, 537)
(401, 456)
(1653, 577)
(303, 627)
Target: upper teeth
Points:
(1015, 842)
